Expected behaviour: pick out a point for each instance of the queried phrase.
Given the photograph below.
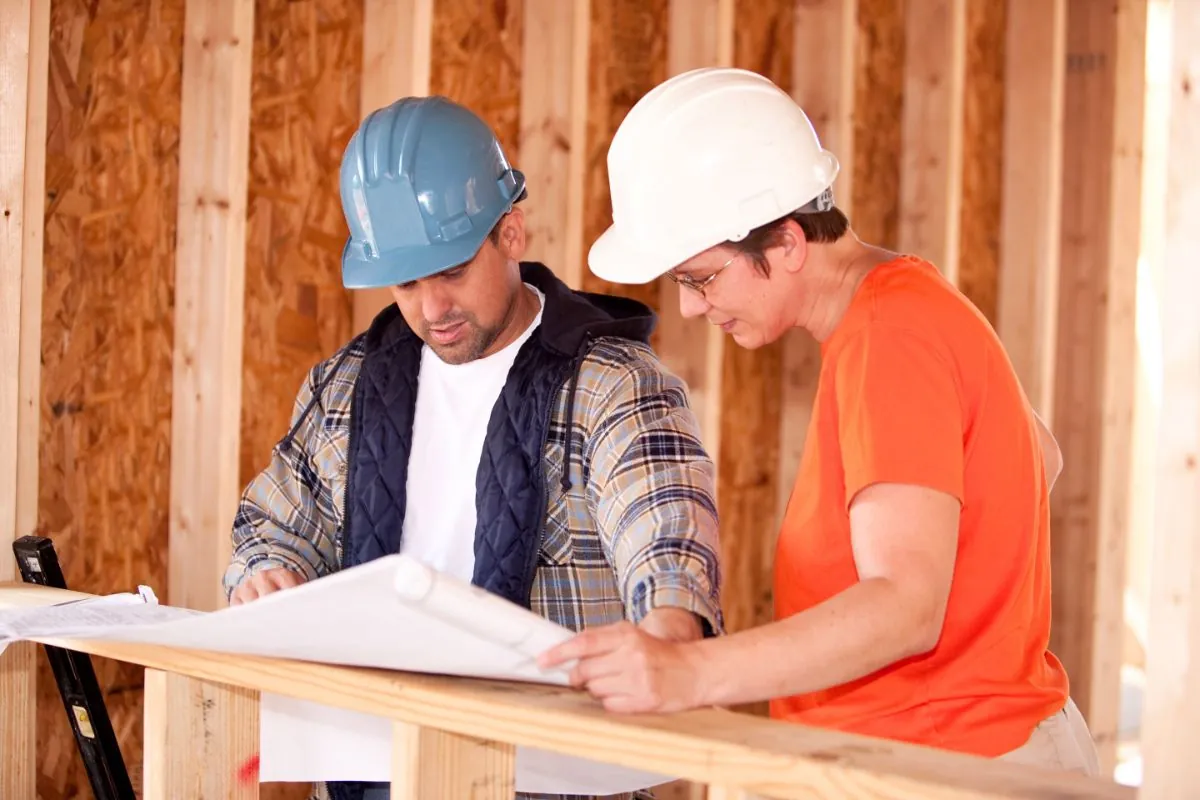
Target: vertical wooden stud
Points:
(428, 764)
(210, 263)
(1095, 359)
(198, 736)
(1172, 709)
(931, 160)
(24, 69)
(1035, 71)
(554, 104)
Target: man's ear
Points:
(511, 240)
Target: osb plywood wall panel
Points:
(303, 110)
(111, 164)
(752, 382)
(982, 155)
(477, 61)
(878, 106)
(628, 58)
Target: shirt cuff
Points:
(678, 590)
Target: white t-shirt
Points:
(454, 404)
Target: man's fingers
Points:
(283, 578)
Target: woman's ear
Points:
(793, 245)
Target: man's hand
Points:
(263, 583)
(630, 670)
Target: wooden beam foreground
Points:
(210, 283)
(707, 746)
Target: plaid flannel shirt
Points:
(637, 530)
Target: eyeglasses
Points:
(699, 286)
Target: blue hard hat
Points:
(423, 181)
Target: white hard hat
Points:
(704, 158)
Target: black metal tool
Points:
(77, 684)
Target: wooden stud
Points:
(209, 296)
(824, 69)
(198, 736)
(1172, 709)
(1096, 350)
(1035, 72)
(931, 158)
(429, 764)
(397, 42)
(18, 715)
(553, 146)
(24, 71)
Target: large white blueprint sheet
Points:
(392, 613)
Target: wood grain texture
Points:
(112, 148)
(1095, 355)
(18, 717)
(1030, 242)
(24, 67)
(1173, 695)
(429, 764)
(210, 290)
(198, 734)
(982, 154)
(628, 57)
(878, 105)
(304, 108)
(477, 61)
(932, 155)
(762, 756)
(552, 154)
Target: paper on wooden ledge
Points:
(391, 613)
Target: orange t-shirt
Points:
(916, 388)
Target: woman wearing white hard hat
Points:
(912, 574)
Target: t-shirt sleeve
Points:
(900, 417)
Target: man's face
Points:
(464, 312)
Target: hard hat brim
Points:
(405, 264)
(615, 259)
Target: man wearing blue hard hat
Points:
(492, 423)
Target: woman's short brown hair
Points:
(818, 226)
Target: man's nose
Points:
(435, 302)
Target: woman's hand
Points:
(631, 671)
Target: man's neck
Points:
(524, 311)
